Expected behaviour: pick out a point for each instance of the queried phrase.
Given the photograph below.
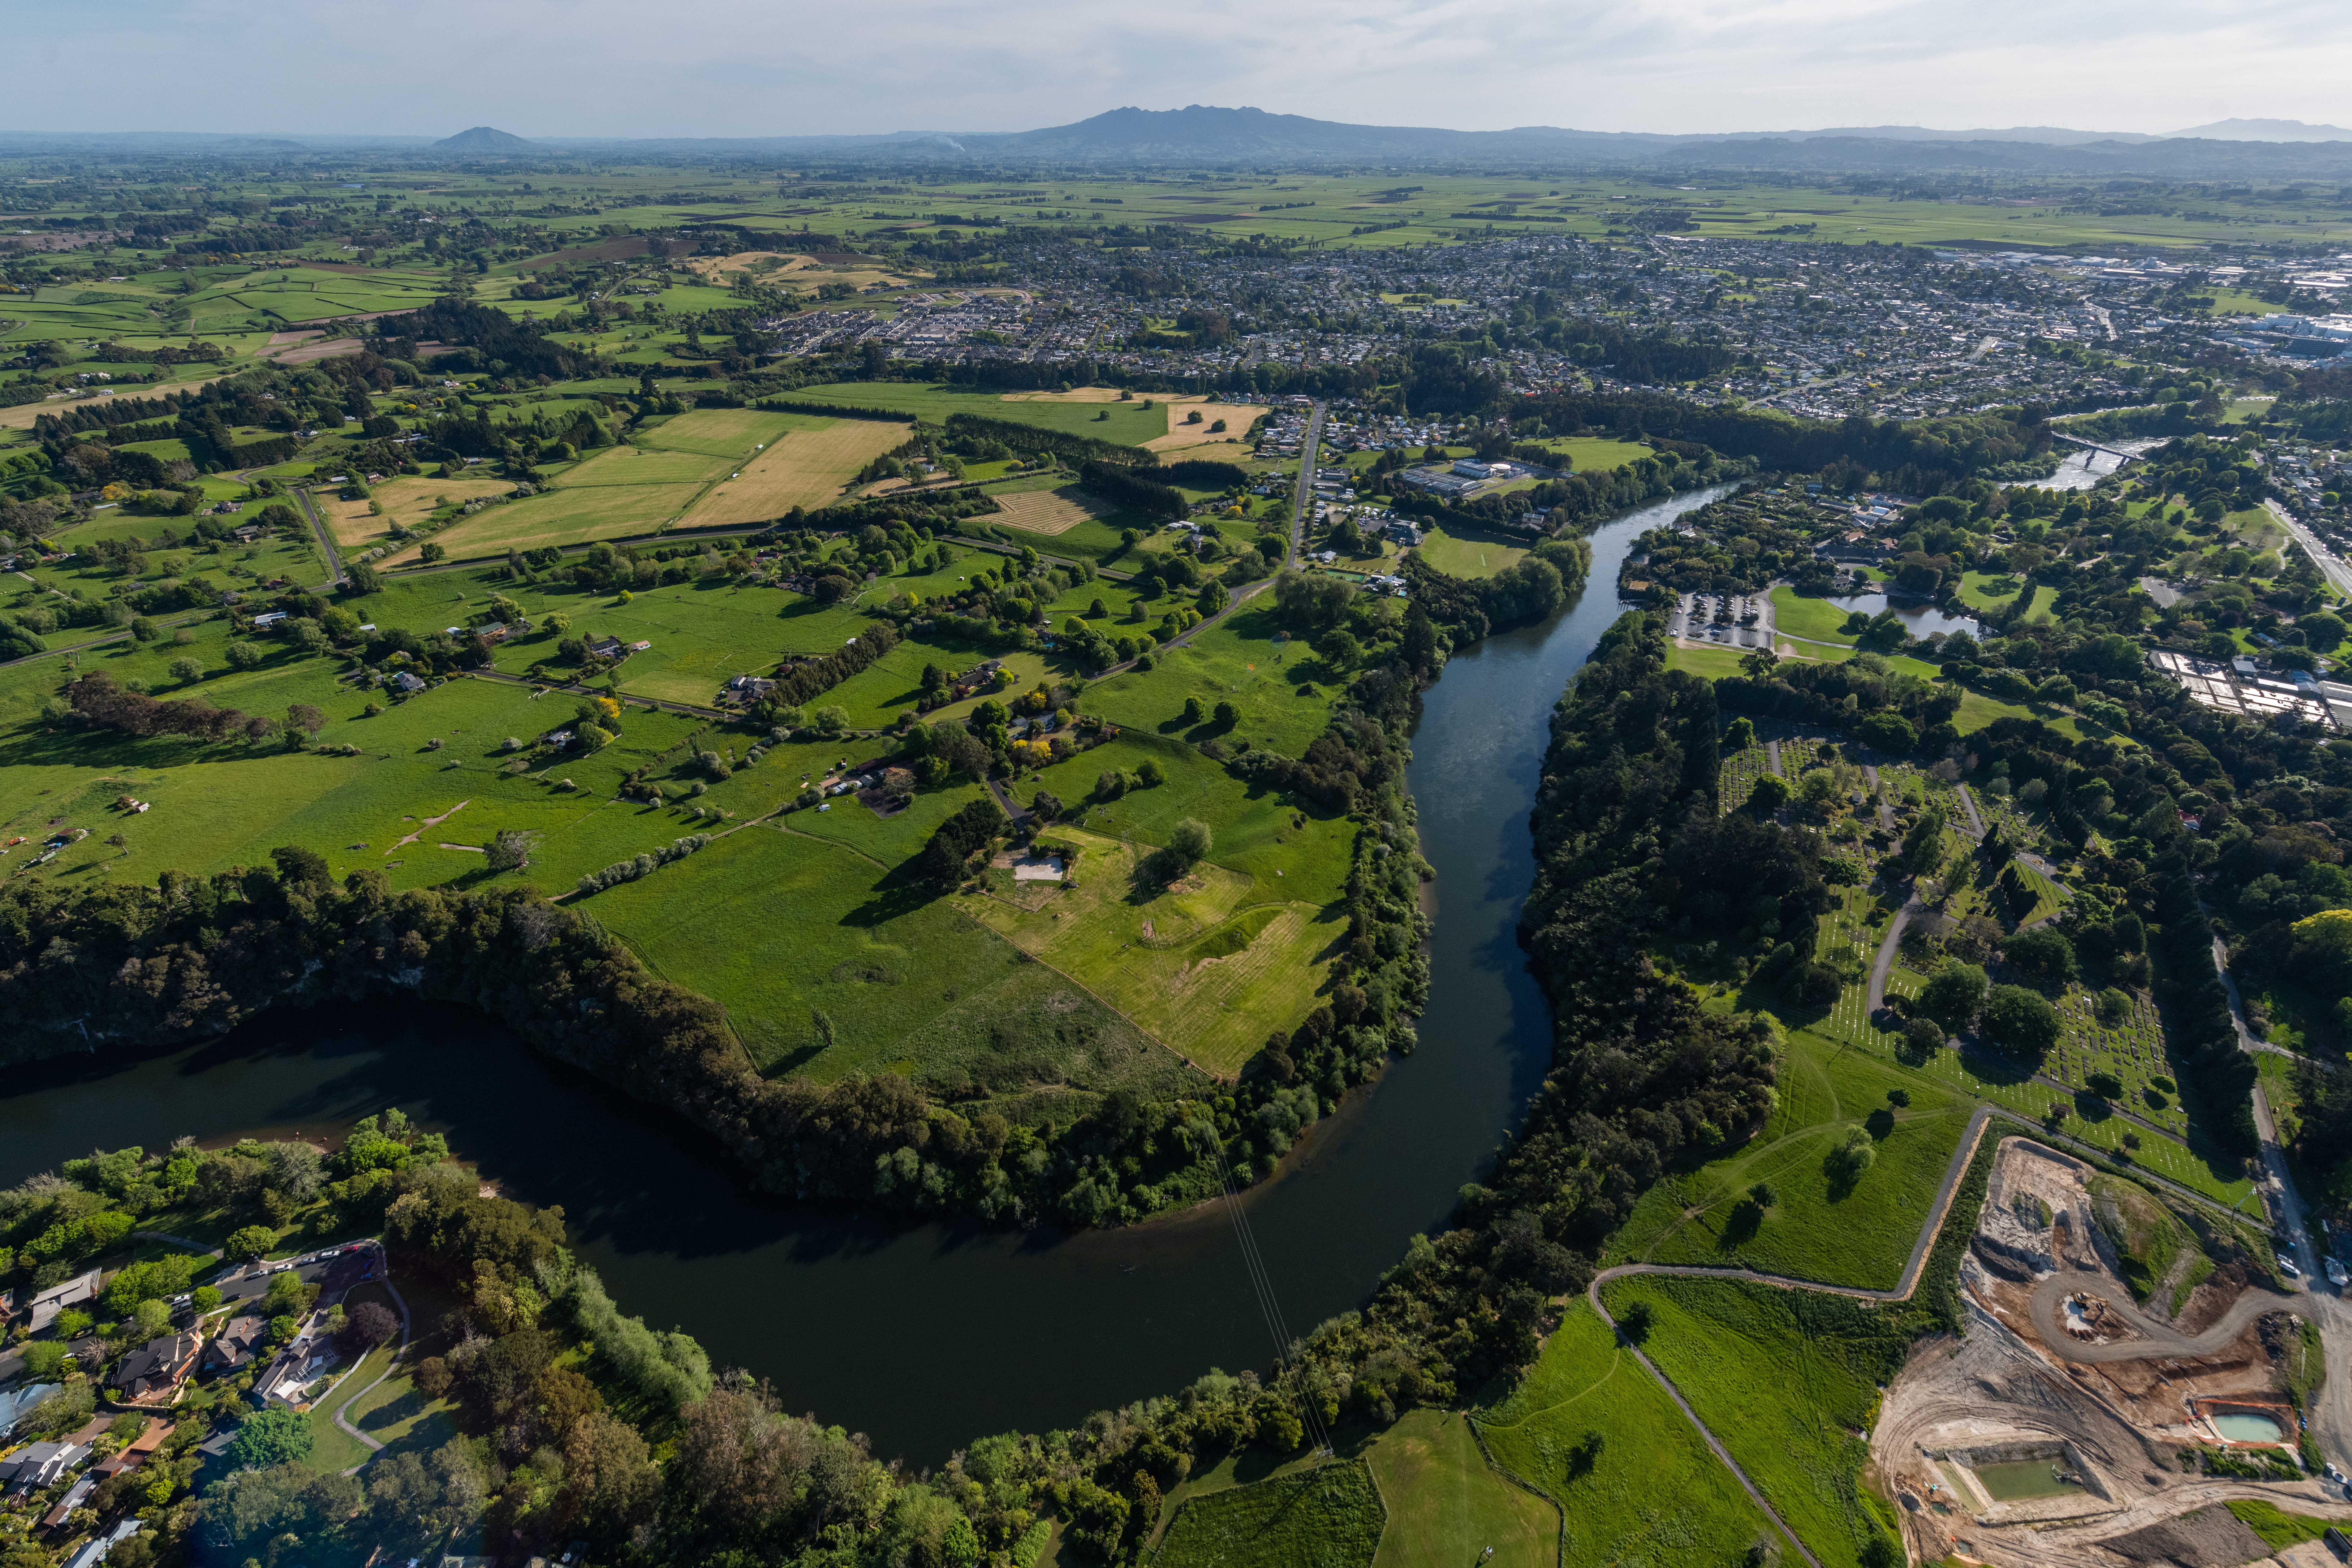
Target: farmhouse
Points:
(608, 647)
(152, 1373)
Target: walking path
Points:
(375, 1447)
(205, 1248)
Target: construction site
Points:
(2133, 1364)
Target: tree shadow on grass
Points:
(901, 890)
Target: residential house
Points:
(38, 1464)
(152, 1373)
(95, 1552)
(233, 1346)
(71, 1501)
(58, 1297)
(608, 648)
(404, 681)
(142, 1449)
(266, 619)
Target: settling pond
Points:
(927, 1336)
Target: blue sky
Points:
(734, 68)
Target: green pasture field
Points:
(1784, 1379)
(1295, 851)
(1713, 663)
(1206, 964)
(1245, 660)
(1466, 552)
(1653, 1493)
(1130, 425)
(1975, 591)
(562, 517)
(1595, 453)
(644, 465)
(218, 805)
(779, 926)
(1448, 1507)
(1817, 1228)
(1331, 1514)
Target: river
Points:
(927, 1336)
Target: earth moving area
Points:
(2069, 1425)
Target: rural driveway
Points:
(335, 572)
(576, 689)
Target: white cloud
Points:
(740, 68)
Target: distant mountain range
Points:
(1199, 136)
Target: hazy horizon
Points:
(728, 68)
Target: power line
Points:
(1262, 1284)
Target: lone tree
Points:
(1188, 845)
(510, 850)
(369, 1324)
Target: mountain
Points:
(2266, 131)
(485, 140)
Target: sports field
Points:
(1466, 552)
(806, 468)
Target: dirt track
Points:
(2156, 1339)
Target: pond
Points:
(1920, 620)
(2246, 1426)
(2018, 1480)
(926, 1336)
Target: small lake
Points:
(1920, 620)
(927, 1336)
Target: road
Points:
(2278, 1187)
(1302, 493)
(2337, 573)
